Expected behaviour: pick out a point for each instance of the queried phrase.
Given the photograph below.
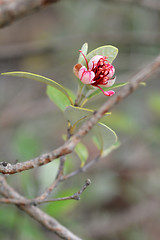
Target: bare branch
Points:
(69, 145)
(83, 169)
(43, 218)
(11, 10)
(75, 196)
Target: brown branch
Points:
(11, 10)
(35, 202)
(75, 196)
(43, 218)
(68, 146)
(83, 169)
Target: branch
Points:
(75, 196)
(81, 169)
(11, 10)
(43, 218)
(68, 146)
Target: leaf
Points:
(98, 91)
(108, 50)
(42, 79)
(75, 114)
(82, 153)
(84, 49)
(154, 102)
(104, 138)
(58, 97)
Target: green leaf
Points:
(58, 97)
(82, 153)
(104, 138)
(76, 114)
(154, 102)
(108, 50)
(42, 79)
(98, 91)
(84, 49)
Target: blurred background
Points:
(122, 202)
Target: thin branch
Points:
(35, 202)
(33, 211)
(15, 9)
(69, 145)
(75, 196)
(83, 169)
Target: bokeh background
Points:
(47, 43)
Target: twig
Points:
(43, 218)
(35, 202)
(69, 145)
(83, 169)
(75, 196)
(13, 10)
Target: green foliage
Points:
(104, 137)
(84, 50)
(98, 91)
(108, 50)
(82, 153)
(56, 96)
(154, 103)
(77, 114)
(62, 94)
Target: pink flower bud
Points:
(109, 93)
(86, 76)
